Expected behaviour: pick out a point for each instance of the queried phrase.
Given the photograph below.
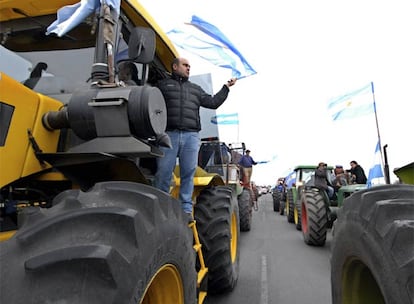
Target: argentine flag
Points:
(69, 16)
(353, 104)
(206, 41)
(376, 170)
(225, 119)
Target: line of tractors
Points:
(308, 208)
(372, 249)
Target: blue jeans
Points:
(185, 146)
(330, 191)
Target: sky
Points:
(306, 53)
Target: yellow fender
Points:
(202, 179)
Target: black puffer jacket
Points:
(184, 99)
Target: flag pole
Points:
(238, 127)
(377, 125)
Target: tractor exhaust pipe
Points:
(386, 166)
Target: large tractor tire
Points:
(297, 215)
(119, 242)
(314, 217)
(372, 256)
(277, 196)
(217, 216)
(290, 207)
(282, 207)
(245, 210)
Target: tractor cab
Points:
(215, 157)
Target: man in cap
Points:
(247, 163)
(340, 177)
(321, 179)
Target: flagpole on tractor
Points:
(238, 132)
(377, 125)
(238, 127)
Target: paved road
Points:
(276, 266)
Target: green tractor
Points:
(310, 209)
(372, 250)
(301, 175)
(318, 212)
(218, 158)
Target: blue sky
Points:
(305, 53)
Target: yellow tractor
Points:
(80, 221)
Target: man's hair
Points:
(175, 61)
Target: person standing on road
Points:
(247, 163)
(357, 173)
(183, 100)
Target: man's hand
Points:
(231, 82)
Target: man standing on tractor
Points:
(183, 100)
(247, 163)
(322, 180)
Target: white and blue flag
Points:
(353, 104)
(376, 170)
(68, 17)
(226, 119)
(208, 42)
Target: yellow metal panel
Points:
(25, 102)
(47, 140)
(16, 157)
(51, 176)
(4, 236)
(31, 8)
(165, 49)
(406, 173)
(202, 179)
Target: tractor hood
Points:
(406, 173)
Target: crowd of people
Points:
(332, 182)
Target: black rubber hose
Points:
(56, 120)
